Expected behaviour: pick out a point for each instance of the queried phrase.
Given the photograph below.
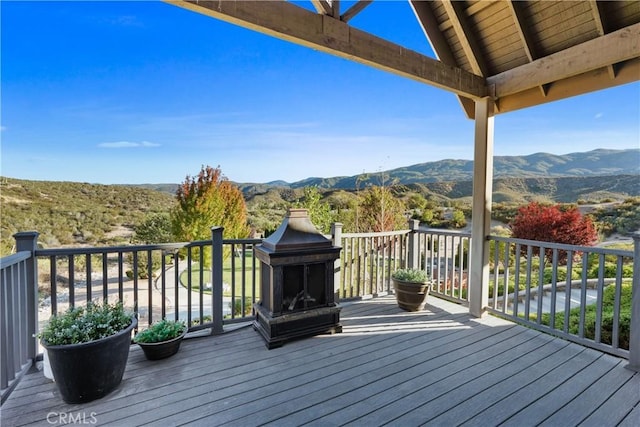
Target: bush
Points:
(163, 330)
(610, 270)
(237, 307)
(85, 324)
(553, 224)
(410, 275)
(606, 330)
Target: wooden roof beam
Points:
(439, 45)
(600, 25)
(516, 8)
(293, 23)
(462, 28)
(323, 7)
(355, 9)
(612, 48)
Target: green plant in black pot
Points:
(162, 339)
(411, 286)
(88, 348)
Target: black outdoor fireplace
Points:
(296, 268)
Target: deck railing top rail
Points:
(377, 234)
(563, 246)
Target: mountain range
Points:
(600, 162)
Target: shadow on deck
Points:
(436, 367)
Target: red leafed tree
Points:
(552, 224)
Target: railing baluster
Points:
(88, 281)
(583, 294)
(150, 286)
(72, 280)
(600, 289)
(540, 284)
(568, 292)
(53, 289)
(516, 280)
(105, 278)
(527, 302)
(615, 336)
(554, 272)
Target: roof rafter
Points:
(322, 6)
(602, 30)
(439, 45)
(614, 47)
(517, 12)
(355, 9)
(467, 40)
(293, 23)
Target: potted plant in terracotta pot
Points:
(162, 339)
(88, 348)
(411, 287)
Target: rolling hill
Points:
(540, 165)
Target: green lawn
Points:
(227, 275)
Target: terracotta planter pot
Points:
(89, 371)
(162, 350)
(411, 296)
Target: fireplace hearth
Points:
(297, 271)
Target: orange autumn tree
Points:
(553, 224)
(208, 200)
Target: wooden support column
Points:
(481, 208)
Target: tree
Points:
(457, 219)
(380, 210)
(552, 224)
(208, 200)
(319, 212)
(155, 228)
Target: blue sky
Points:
(146, 92)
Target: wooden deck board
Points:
(436, 367)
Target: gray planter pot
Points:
(89, 371)
(162, 350)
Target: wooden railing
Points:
(170, 280)
(18, 299)
(367, 261)
(579, 293)
(213, 283)
(445, 256)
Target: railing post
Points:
(28, 241)
(414, 244)
(336, 240)
(216, 280)
(634, 339)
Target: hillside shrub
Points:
(552, 224)
(606, 329)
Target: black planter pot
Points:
(162, 350)
(411, 296)
(89, 371)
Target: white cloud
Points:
(598, 115)
(128, 144)
(3, 128)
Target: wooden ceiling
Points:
(520, 53)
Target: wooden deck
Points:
(439, 367)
